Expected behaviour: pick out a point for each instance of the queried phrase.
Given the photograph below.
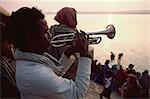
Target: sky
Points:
(79, 5)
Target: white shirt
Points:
(108, 82)
(35, 80)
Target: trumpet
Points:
(62, 39)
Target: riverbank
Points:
(94, 91)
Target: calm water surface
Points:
(132, 37)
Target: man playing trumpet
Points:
(38, 74)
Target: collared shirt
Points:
(36, 80)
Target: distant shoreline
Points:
(102, 13)
(108, 12)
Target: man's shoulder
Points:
(32, 68)
(28, 63)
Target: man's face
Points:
(43, 36)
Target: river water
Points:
(132, 37)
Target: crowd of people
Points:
(127, 82)
(33, 68)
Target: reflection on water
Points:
(132, 36)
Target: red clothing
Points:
(121, 77)
(67, 16)
(131, 89)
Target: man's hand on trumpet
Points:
(79, 45)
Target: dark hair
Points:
(20, 23)
(145, 72)
(131, 66)
(107, 62)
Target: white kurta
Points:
(35, 80)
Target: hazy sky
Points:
(79, 5)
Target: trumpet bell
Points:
(110, 31)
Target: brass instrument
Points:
(61, 39)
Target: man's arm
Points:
(52, 86)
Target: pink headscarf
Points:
(67, 16)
